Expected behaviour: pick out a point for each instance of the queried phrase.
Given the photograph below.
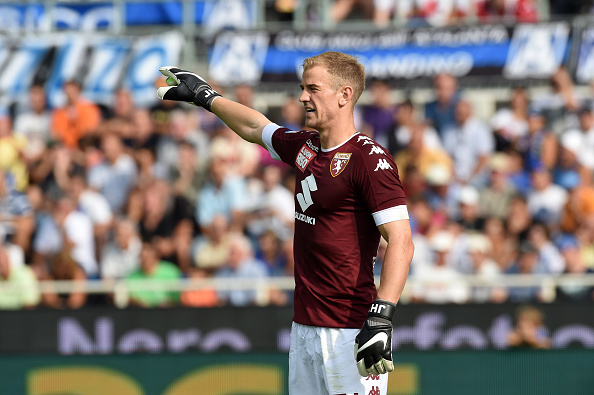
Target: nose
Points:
(304, 97)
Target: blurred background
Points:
(148, 250)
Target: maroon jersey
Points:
(342, 194)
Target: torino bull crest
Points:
(339, 162)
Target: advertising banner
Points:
(105, 331)
(585, 59)
(525, 51)
(90, 16)
(453, 373)
(101, 63)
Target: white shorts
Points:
(322, 362)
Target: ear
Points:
(346, 95)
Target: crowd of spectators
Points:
(425, 13)
(169, 192)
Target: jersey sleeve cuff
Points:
(267, 133)
(391, 214)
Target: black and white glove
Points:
(188, 87)
(373, 345)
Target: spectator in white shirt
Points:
(470, 143)
(121, 256)
(34, 124)
(116, 175)
(67, 229)
(546, 200)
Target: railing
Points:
(121, 289)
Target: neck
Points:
(337, 134)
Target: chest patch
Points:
(304, 156)
(339, 162)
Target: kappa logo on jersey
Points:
(382, 164)
(304, 156)
(376, 150)
(366, 140)
(339, 162)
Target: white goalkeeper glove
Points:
(373, 344)
(188, 87)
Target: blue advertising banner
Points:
(102, 64)
(405, 54)
(83, 15)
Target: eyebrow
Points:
(309, 86)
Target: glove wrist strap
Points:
(204, 97)
(382, 309)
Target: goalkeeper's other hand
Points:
(373, 345)
(188, 87)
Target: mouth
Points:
(309, 110)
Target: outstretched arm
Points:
(191, 88)
(244, 121)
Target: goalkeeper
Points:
(347, 195)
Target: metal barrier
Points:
(121, 288)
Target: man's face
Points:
(321, 101)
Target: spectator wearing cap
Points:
(441, 112)
(479, 247)
(539, 146)
(439, 282)
(510, 124)
(440, 196)
(546, 200)
(574, 265)
(469, 216)
(470, 143)
(568, 168)
(549, 258)
(496, 196)
(77, 118)
(527, 263)
(580, 141)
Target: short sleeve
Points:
(378, 181)
(284, 144)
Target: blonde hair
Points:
(345, 69)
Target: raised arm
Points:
(189, 87)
